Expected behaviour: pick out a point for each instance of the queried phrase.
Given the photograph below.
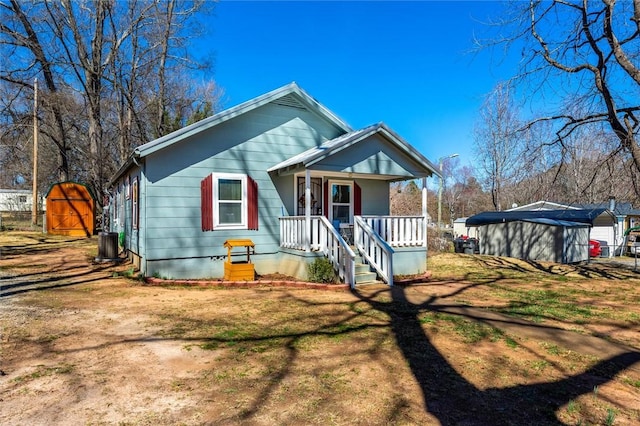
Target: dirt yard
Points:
(486, 341)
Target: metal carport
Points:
(560, 236)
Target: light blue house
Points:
(283, 171)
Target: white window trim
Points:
(243, 202)
(351, 200)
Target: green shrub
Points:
(321, 271)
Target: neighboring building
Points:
(560, 236)
(460, 228)
(610, 235)
(282, 171)
(17, 200)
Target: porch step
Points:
(364, 274)
(362, 277)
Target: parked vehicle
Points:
(595, 249)
(464, 244)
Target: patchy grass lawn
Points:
(486, 341)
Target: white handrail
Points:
(324, 238)
(339, 253)
(374, 249)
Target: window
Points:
(121, 206)
(229, 201)
(342, 202)
(134, 204)
(127, 188)
(230, 194)
(114, 211)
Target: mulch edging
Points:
(419, 279)
(275, 283)
(247, 284)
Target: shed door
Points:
(69, 214)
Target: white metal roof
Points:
(330, 147)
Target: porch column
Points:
(307, 210)
(424, 211)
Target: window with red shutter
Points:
(229, 201)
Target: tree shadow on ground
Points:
(51, 277)
(455, 401)
(610, 271)
(36, 243)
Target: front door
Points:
(316, 196)
(341, 203)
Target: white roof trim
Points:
(333, 146)
(291, 88)
(183, 133)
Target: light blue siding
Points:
(374, 155)
(375, 196)
(176, 246)
(124, 224)
(170, 242)
(409, 260)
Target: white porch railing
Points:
(323, 238)
(376, 251)
(374, 237)
(400, 231)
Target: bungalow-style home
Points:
(282, 171)
(560, 236)
(609, 234)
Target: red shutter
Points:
(325, 198)
(252, 204)
(206, 203)
(357, 200)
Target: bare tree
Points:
(115, 74)
(465, 196)
(405, 199)
(585, 53)
(456, 193)
(21, 31)
(497, 143)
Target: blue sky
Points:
(404, 63)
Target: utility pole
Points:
(34, 210)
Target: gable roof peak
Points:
(298, 98)
(304, 100)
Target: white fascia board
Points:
(291, 88)
(185, 132)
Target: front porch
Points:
(388, 245)
(337, 194)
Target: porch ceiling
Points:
(373, 152)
